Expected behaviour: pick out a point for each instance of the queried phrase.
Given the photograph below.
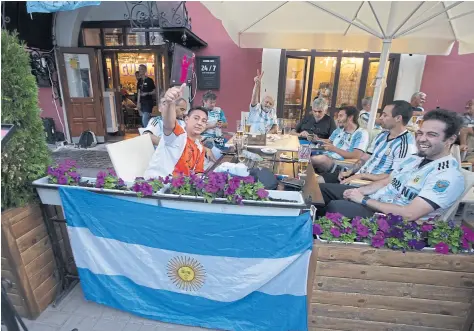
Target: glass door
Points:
(322, 82)
(349, 81)
(295, 96)
(372, 74)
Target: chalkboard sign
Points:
(208, 72)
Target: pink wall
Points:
(238, 65)
(448, 81)
(48, 109)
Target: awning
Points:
(55, 6)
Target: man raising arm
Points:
(262, 116)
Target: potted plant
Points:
(223, 193)
(24, 159)
(388, 273)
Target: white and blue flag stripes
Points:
(229, 272)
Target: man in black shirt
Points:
(317, 123)
(145, 90)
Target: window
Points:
(135, 38)
(113, 37)
(349, 81)
(91, 37)
(323, 78)
(78, 75)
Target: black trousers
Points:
(335, 203)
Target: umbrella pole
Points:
(379, 83)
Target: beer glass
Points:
(240, 128)
(304, 154)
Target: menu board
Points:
(208, 72)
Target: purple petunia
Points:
(383, 224)
(335, 232)
(317, 229)
(442, 248)
(177, 181)
(362, 230)
(378, 240)
(62, 180)
(416, 244)
(426, 227)
(262, 193)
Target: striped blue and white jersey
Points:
(359, 139)
(155, 126)
(388, 154)
(439, 182)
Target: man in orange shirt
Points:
(180, 150)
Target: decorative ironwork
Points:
(143, 15)
(146, 16)
(43, 67)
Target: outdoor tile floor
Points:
(74, 312)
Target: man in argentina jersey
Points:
(424, 186)
(349, 141)
(387, 150)
(155, 125)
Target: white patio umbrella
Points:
(375, 26)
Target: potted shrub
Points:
(24, 159)
(386, 273)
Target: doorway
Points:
(342, 78)
(120, 67)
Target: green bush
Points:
(26, 155)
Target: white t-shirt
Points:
(439, 182)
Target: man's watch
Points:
(364, 200)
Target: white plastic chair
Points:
(131, 157)
(468, 183)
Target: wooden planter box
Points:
(27, 260)
(358, 287)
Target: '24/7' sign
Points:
(208, 72)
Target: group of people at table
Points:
(411, 174)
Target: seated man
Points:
(349, 141)
(424, 186)
(318, 123)
(155, 125)
(418, 99)
(262, 116)
(467, 131)
(180, 150)
(388, 149)
(364, 114)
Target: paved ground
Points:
(74, 312)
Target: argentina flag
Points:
(228, 272)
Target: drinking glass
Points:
(247, 125)
(240, 128)
(304, 154)
(240, 147)
(280, 125)
(286, 127)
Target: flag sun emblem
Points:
(186, 273)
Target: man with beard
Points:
(262, 116)
(423, 186)
(180, 150)
(389, 148)
(349, 141)
(318, 123)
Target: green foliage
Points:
(26, 155)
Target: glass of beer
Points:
(247, 126)
(240, 128)
(304, 154)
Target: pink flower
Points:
(426, 227)
(335, 232)
(362, 230)
(262, 193)
(249, 180)
(177, 181)
(442, 248)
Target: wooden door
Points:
(82, 95)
